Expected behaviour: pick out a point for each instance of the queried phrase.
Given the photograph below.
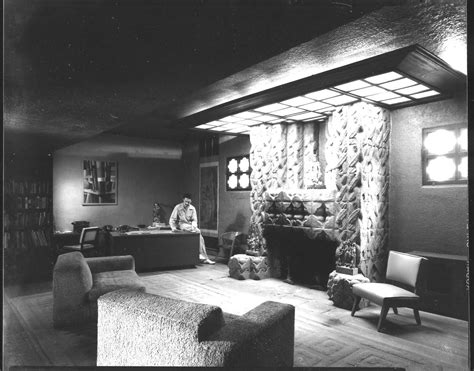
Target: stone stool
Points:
(260, 268)
(240, 266)
(340, 289)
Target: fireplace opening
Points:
(298, 258)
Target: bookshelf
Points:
(27, 225)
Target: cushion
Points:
(105, 282)
(377, 292)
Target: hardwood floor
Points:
(325, 336)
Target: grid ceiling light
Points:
(386, 89)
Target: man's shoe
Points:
(208, 261)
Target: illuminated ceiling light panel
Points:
(343, 99)
(441, 169)
(398, 84)
(462, 140)
(372, 90)
(205, 126)
(249, 122)
(358, 84)
(240, 130)
(306, 116)
(218, 128)
(265, 118)
(230, 119)
(396, 100)
(380, 79)
(247, 115)
(234, 126)
(440, 142)
(277, 121)
(462, 168)
(287, 111)
(315, 106)
(425, 94)
(326, 110)
(270, 108)
(298, 101)
(384, 96)
(412, 89)
(322, 94)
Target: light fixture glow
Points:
(315, 106)
(425, 94)
(412, 89)
(297, 101)
(353, 85)
(384, 96)
(305, 116)
(244, 164)
(270, 108)
(384, 77)
(323, 94)
(232, 182)
(368, 91)
(462, 140)
(264, 118)
(249, 122)
(232, 167)
(230, 119)
(462, 168)
(396, 100)
(441, 169)
(343, 99)
(287, 111)
(204, 126)
(440, 142)
(398, 84)
(247, 115)
(244, 181)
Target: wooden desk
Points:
(443, 284)
(157, 249)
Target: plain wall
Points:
(141, 182)
(424, 218)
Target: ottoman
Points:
(239, 266)
(340, 289)
(242, 266)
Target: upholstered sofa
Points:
(78, 282)
(140, 329)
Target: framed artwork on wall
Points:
(208, 198)
(99, 182)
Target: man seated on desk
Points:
(184, 217)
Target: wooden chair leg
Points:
(383, 315)
(417, 316)
(395, 310)
(355, 305)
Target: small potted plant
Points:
(346, 258)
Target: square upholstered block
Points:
(239, 266)
(260, 267)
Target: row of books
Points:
(32, 202)
(26, 239)
(27, 220)
(27, 187)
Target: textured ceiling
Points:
(74, 69)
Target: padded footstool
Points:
(340, 289)
(259, 267)
(239, 266)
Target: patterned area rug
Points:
(51, 346)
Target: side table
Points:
(340, 289)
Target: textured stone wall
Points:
(357, 150)
(284, 156)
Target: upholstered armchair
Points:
(139, 329)
(78, 282)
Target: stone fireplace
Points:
(331, 194)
